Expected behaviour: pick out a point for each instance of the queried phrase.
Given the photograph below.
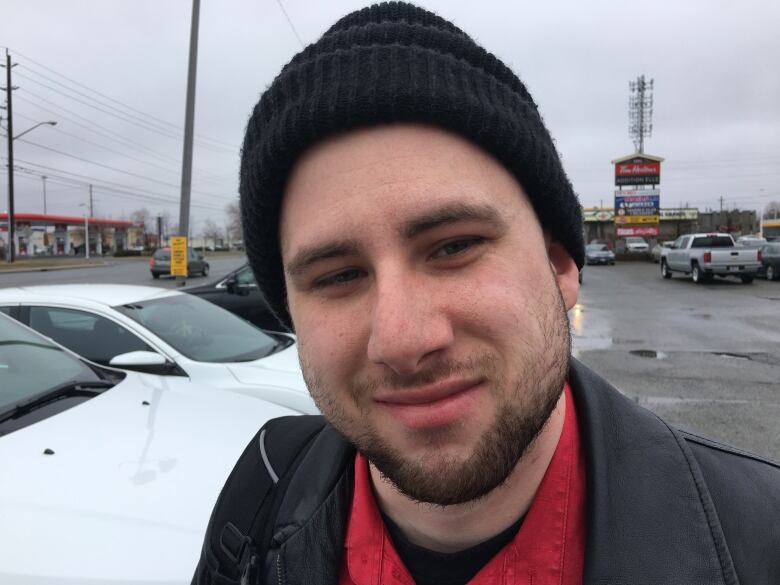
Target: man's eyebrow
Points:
(452, 213)
(312, 254)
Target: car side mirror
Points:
(149, 362)
(231, 284)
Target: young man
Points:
(407, 215)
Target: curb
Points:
(51, 268)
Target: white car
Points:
(636, 244)
(164, 332)
(108, 476)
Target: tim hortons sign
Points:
(638, 171)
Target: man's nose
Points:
(408, 323)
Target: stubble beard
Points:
(444, 480)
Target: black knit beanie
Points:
(394, 62)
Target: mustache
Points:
(482, 365)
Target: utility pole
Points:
(721, 203)
(640, 112)
(43, 178)
(189, 121)
(8, 93)
(91, 209)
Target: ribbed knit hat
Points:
(394, 62)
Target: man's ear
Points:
(566, 273)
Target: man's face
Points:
(429, 308)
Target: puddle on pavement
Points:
(589, 331)
(648, 353)
(732, 356)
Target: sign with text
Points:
(637, 231)
(638, 171)
(680, 214)
(598, 214)
(637, 207)
(638, 219)
(178, 256)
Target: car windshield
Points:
(162, 255)
(201, 330)
(597, 248)
(712, 242)
(31, 365)
(635, 241)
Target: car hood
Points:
(128, 491)
(277, 378)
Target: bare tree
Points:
(772, 210)
(170, 227)
(211, 231)
(143, 218)
(233, 226)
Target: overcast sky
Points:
(716, 66)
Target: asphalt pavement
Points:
(131, 270)
(705, 357)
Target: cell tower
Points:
(640, 112)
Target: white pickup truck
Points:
(706, 255)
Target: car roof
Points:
(104, 294)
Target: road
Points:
(119, 271)
(706, 357)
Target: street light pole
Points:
(43, 178)
(9, 91)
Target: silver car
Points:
(160, 263)
(599, 254)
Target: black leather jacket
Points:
(665, 507)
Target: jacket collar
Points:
(650, 517)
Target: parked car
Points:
(635, 244)
(770, 261)
(607, 243)
(599, 254)
(165, 332)
(108, 476)
(706, 255)
(160, 263)
(655, 253)
(751, 241)
(238, 293)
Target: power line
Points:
(115, 169)
(160, 120)
(124, 154)
(110, 137)
(103, 185)
(115, 138)
(128, 120)
(290, 22)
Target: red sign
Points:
(638, 171)
(637, 231)
(633, 169)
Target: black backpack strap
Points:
(236, 532)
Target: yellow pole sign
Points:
(178, 256)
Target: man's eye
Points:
(339, 279)
(456, 247)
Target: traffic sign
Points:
(178, 256)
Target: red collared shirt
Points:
(549, 548)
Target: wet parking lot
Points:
(706, 357)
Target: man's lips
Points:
(431, 405)
(427, 393)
